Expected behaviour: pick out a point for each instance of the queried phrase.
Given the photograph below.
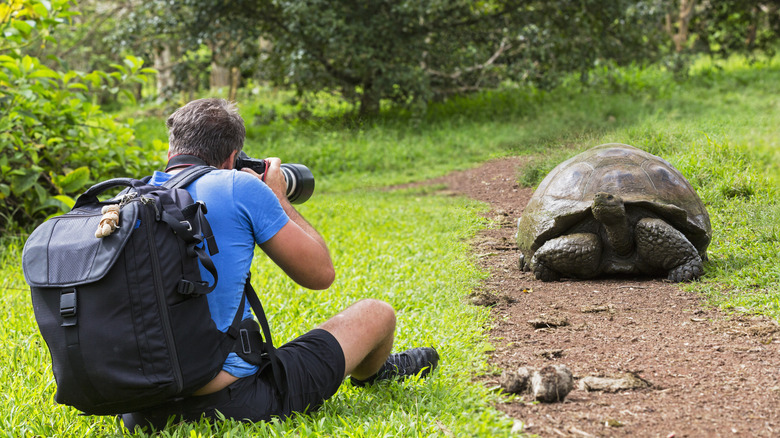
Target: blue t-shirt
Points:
(242, 212)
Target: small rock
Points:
(551, 384)
(598, 309)
(544, 321)
(482, 298)
(515, 382)
(518, 427)
(551, 354)
(548, 385)
(607, 384)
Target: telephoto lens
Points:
(299, 179)
(300, 182)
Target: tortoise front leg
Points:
(573, 255)
(661, 246)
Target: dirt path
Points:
(710, 374)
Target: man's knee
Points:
(378, 310)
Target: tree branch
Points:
(503, 46)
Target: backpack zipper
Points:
(160, 293)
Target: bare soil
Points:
(711, 373)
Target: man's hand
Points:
(273, 177)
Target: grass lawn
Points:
(720, 128)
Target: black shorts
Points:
(314, 368)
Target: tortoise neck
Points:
(620, 236)
(610, 210)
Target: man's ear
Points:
(228, 164)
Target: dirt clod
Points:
(515, 382)
(551, 354)
(551, 384)
(625, 382)
(548, 321)
(598, 309)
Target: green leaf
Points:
(22, 182)
(67, 200)
(128, 94)
(28, 64)
(132, 62)
(79, 86)
(41, 10)
(44, 73)
(73, 180)
(22, 26)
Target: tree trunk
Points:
(680, 35)
(235, 82)
(369, 102)
(220, 76)
(750, 39)
(162, 63)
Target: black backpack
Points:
(125, 316)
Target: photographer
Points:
(244, 209)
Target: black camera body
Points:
(299, 179)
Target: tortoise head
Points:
(608, 208)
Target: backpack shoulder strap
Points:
(191, 225)
(187, 176)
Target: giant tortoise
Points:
(614, 209)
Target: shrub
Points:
(53, 139)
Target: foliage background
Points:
(54, 137)
(71, 117)
(411, 248)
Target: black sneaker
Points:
(411, 362)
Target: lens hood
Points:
(300, 182)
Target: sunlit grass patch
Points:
(403, 247)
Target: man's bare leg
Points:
(365, 332)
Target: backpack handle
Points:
(182, 179)
(91, 195)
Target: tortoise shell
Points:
(565, 196)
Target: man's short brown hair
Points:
(210, 129)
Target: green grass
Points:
(409, 248)
(423, 273)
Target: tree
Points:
(54, 139)
(419, 50)
(407, 51)
(725, 27)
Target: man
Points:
(245, 209)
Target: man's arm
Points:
(297, 248)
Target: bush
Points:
(53, 139)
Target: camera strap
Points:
(183, 160)
(260, 349)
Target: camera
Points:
(299, 179)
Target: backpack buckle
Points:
(186, 287)
(68, 307)
(249, 345)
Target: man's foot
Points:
(411, 362)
